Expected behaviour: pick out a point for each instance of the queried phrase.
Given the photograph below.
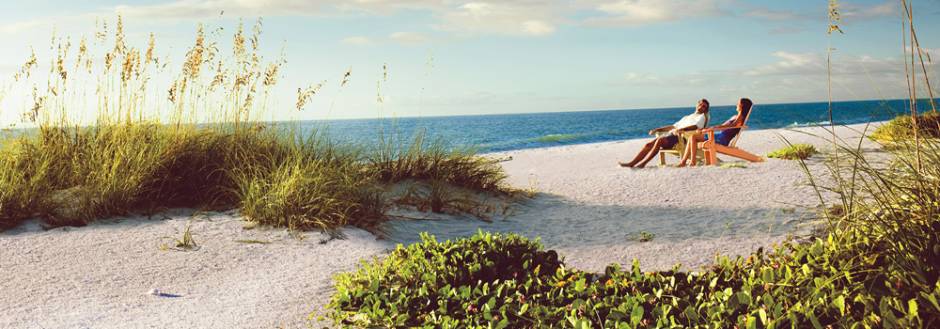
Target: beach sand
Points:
(588, 208)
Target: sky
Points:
(454, 57)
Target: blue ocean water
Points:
(492, 133)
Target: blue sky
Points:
(450, 57)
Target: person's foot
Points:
(625, 164)
(681, 164)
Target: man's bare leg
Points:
(639, 156)
(657, 145)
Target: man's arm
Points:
(663, 128)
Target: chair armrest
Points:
(724, 128)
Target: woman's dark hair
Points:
(707, 105)
(746, 105)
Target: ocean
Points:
(494, 133)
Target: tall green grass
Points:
(150, 146)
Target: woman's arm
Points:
(734, 123)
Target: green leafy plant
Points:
(468, 281)
(794, 152)
(642, 236)
(186, 242)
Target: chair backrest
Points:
(734, 141)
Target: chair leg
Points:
(711, 154)
(662, 158)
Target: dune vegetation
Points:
(794, 152)
(877, 265)
(159, 138)
(901, 128)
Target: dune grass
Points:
(150, 146)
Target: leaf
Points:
(751, 322)
(912, 307)
(636, 315)
(932, 299)
(815, 321)
(839, 302)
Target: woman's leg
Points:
(653, 151)
(641, 155)
(691, 149)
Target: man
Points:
(689, 122)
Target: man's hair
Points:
(707, 105)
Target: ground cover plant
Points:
(901, 128)
(877, 266)
(194, 137)
(794, 152)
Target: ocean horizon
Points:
(506, 132)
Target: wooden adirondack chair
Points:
(712, 149)
(680, 146)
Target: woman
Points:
(689, 122)
(723, 136)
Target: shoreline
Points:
(588, 209)
(618, 141)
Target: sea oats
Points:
(238, 42)
(346, 77)
(120, 46)
(304, 95)
(270, 74)
(148, 56)
(27, 68)
(194, 57)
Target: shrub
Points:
(901, 128)
(794, 152)
(823, 283)
(465, 282)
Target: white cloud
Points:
(641, 12)
(18, 27)
(408, 37)
(521, 18)
(634, 77)
(807, 64)
(537, 27)
(357, 41)
(773, 15)
(886, 9)
(790, 63)
(201, 9)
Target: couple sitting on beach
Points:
(690, 127)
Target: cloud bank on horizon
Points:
(453, 57)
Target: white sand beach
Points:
(588, 208)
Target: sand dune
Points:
(588, 208)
